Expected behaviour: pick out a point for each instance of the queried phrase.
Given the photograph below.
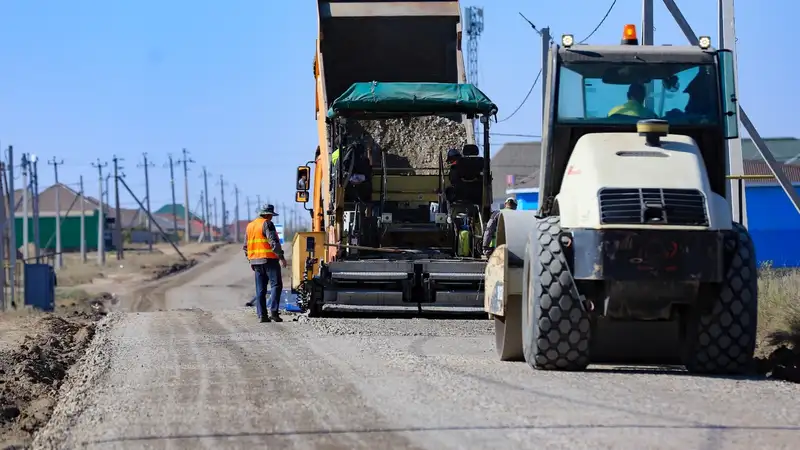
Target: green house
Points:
(70, 231)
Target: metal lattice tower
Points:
(474, 28)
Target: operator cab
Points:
(601, 89)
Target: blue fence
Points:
(775, 226)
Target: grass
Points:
(779, 308)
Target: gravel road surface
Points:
(211, 377)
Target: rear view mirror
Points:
(625, 75)
(301, 197)
(303, 175)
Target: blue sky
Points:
(232, 82)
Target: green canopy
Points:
(377, 99)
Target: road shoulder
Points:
(37, 349)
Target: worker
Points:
(491, 226)
(634, 107)
(264, 252)
(452, 159)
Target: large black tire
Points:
(555, 325)
(721, 339)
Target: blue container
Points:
(40, 286)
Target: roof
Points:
(785, 149)
(515, 162)
(792, 172)
(379, 99)
(179, 210)
(69, 203)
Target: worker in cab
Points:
(489, 236)
(452, 159)
(634, 107)
(265, 255)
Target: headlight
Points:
(704, 42)
(567, 40)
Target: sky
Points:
(231, 82)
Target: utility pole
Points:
(216, 217)
(203, 213)
(247, 202)
(258, 201)
(187, 220)
(12, 229)
(83, 223)
(107, 194)
(35, 184)
(172, 185)
(206, 205)
(545, 33)
(25, 192)
(59, 259)
(118, 221)
(222, 202)
(146, 164)
(236, 211)
(101, 252)
(3, 237)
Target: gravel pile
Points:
(414, 143)
(338, 326)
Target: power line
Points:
(610, 8)
(538, 75)
(527, 96)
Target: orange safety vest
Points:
(257, 244)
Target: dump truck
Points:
(392, 224)
(633, 255)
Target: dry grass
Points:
(779, 308)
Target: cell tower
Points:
(474, 28)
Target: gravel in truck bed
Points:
(414, 143)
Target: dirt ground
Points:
(37, 349)
(779, 323)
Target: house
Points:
(514, 162)
(70, 212)
(242, 228)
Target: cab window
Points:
(681, 93)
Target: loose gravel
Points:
(216, 378)
(414, 143)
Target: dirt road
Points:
(213, 377)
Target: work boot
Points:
(265, 319)
(276, 317)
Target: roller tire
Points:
(556, 327)
(508, 333)
(721, 340)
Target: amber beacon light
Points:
(629, 35)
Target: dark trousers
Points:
(268, 278)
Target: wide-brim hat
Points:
(267, 210)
